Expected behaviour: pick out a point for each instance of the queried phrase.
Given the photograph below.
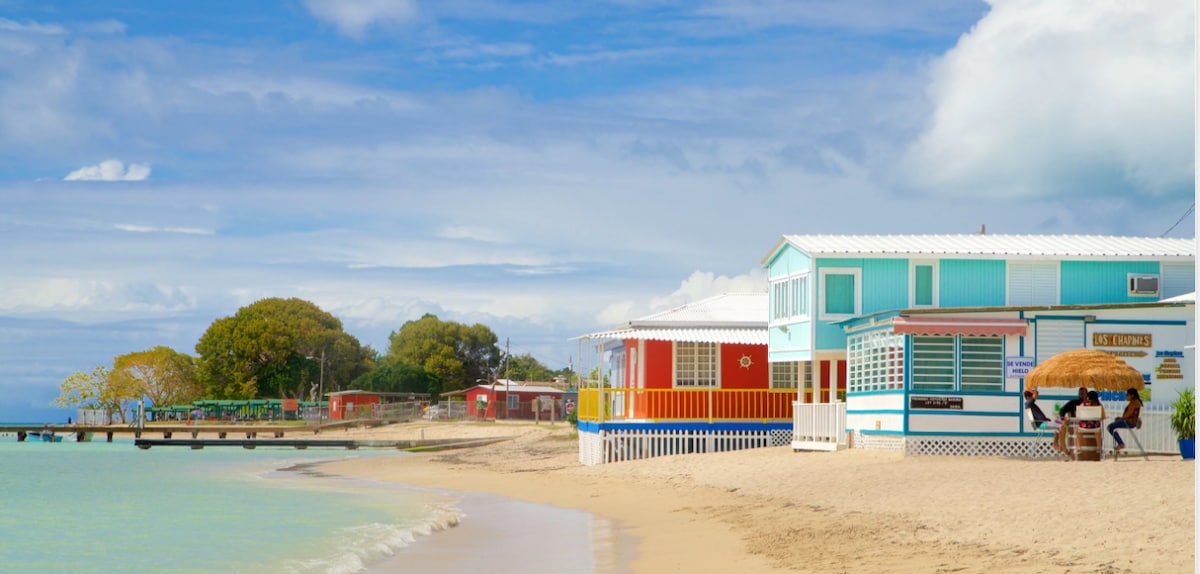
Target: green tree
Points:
(277, 348)
(97, 390)
(525, 368)
(161, 375)
(82, 389)
(399, 378)
(458, 354)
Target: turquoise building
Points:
(920, 341)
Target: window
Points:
(514, 402)
(874, 362)
(1033, 283)
(923, 284)
(981, 366)
(841, 292)
(789, 298)
(695, 364)
(955, 362)
(786, 375)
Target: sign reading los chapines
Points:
(1121, 340)
(921, 402)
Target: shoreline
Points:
(774, 510)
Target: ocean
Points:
(100, 507)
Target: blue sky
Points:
(545, 168)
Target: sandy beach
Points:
(775, 510)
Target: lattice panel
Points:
(965, 446)
(781, 437)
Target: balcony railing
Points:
(686, 404)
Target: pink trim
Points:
(959, 326)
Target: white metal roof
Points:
(725, 310)
(725, 318)
(1185, 298)
(731, 335)
(992, 246)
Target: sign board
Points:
(1169, 365)
(1017, 367)
(288, 405)
(1122, 340)
(945, 403)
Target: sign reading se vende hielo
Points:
(1017, 367)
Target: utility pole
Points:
(507, 362)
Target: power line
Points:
(1181, 218)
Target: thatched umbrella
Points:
(1085, 368)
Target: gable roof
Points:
(725, 318)
(990, 246)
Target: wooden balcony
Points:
(695, 405)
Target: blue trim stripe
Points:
(875, 393)
(875, 412)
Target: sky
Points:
(548, 169)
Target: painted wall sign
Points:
(1122, 340)
(1168, 365)
(922, 402)
(1017, 367)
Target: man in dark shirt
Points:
(1068, 410)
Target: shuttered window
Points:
(1032, 283)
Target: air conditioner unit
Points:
(1143, 284)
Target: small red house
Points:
(371, 404)
(512, 400)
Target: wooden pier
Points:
(410, 445)
(83, 433)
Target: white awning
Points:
(744, 336)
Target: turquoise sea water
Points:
(109, 507)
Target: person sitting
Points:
(1041, 421)
(1093, 400)
(1128, 419)
(1068, 410)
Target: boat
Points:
(46, 436)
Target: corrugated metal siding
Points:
(1086, 282)
(1178, 279)
(885, 285)
(971, 283)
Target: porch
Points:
(617, 425)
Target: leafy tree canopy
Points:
(97, 390)
(278, 348)
(399, 378)
(458, 354)
(526, 368)
(161, 375)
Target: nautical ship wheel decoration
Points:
(745, 361)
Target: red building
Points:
(512, 400)
(702, 361)
(370, 404)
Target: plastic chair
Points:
(1041, 431)
(1086, 440)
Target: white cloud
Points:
(110, 170)
(7, 25)
(1063, 98)
(698, 286)
(352, 18)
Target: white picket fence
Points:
(1155, 435)
(609, 446)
